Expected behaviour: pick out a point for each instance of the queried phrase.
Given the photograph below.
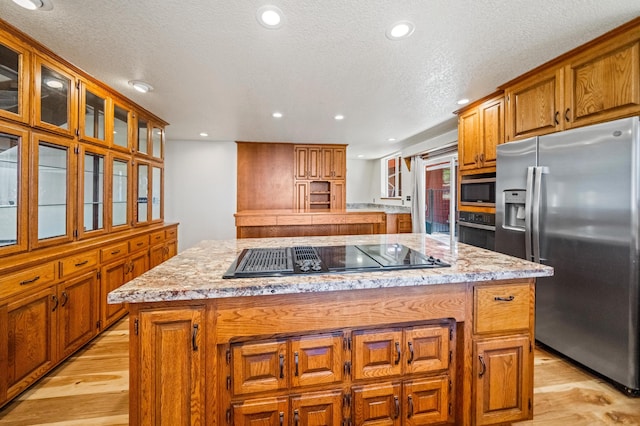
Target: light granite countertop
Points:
(196, 273)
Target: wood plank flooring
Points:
(91, 388)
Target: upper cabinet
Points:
(480, 131)
(333, 162)
(15, 63)
(122, 127)
(149, 138)
(597, 82)
(320, 174)
(95, 107)
(54, 97)
(308, 162)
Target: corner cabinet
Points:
(320, 177)
(480, 131)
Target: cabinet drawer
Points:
(171, 233)
(502, 308)
(114, 251)
(23, 280)
(256, 221)
(328, 219)
(138, 243)
(365, 218)
(156, 237)
(78, 263)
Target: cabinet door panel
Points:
(317, 409)
(377, 353)
(55, 97)
(32, 338)
(469, 132)
(139, 265)
(428, 349)
(77, 317)
(377, 405)
(502, 380)
(259, 367)
(261, 412)
(15, 60)
(112, 276)
(172, 360)
(316, 360)
(427, 401)
(492, 130)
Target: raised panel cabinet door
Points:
(377, 353)
(156, 255)
(427, 401)
(301, 162)
(78, 312)
(316, 359)
(492, 130)
(317, 409)
(172, 363)
(139, 264)
(377, 404)
(31, 349)
(302, 196)
(261, 412)
(112, 276)
(603, 84)
(502, 374)
(470, 144)
(339, 163)
(534, 105)
(314, 165)
(338, 195)
(259, 367)
(428, 349)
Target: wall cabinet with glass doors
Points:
(15, 62)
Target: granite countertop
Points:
(197, 272)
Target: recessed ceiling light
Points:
(339, 117)
(270, 17)
(463, 101)
(141, 86)
(29, 4)
(360, 155)
(391, 140)
(277, 115)
(203, 134)
(400, 30)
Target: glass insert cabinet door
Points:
(121, 120)
(92, 195)
(142, 136)
(120, 192)
(55, 98)
(156, 142)
(13, 187)
(52, 206)
(156, 193)
(14, 86)
(93, 107)
(142, 202)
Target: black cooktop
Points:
(281, 261)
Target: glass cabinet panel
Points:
(143, 194)
(53, 209)
(120, 127)
(94, 106)
(156, 142)
(142, 136)
(92, 184)
(55, 98)
(156, 193)
(14, 84)
(13, 182)
(120, 192)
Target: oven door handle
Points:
(477, 226)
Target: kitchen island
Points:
(449, 345)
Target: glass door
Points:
(55, 98)
(13, 189)
(157, 142)
(142, 136)
(14, 80)
(121, 120)
(440, 197)
(142, 196)
(156, 193)
(91, 191)
(51, 204)
(120, 211)
(94, 105)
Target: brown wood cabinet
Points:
(480, 131)
(399, 223)
(164, 245)
(320, 177)
(596, 82)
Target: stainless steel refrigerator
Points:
(571, 200)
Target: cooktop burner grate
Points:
(266, 260)
(305, 253)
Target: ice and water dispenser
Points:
(514, 208)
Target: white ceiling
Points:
(214, 69)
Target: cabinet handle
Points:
(296, 417)
(194, 344)
(566, 115)
(504, 299)
(482, 157)
(555, 117)
(295, 360)
(131, 267)
(115, 252)
(281, 366)
(397, 353)
(82, 263)
(410, 360)
(281, 418)
(483, 367)
(396, 402)
(410, 401)
(65, 299)
(55, 301)
(32, 280)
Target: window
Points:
(391, 176)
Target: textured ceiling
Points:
(215, 69)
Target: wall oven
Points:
(477, 229)
(478, 191)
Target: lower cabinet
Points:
(77, 313)
(163, 246)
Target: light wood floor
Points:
(91, 388)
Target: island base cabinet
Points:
(171, 360)
(502, 374)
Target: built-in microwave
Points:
(478, 191)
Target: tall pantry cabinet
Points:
(81, 206)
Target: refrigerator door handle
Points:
(528, 203)
(535, 216)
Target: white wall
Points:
(200, 190)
